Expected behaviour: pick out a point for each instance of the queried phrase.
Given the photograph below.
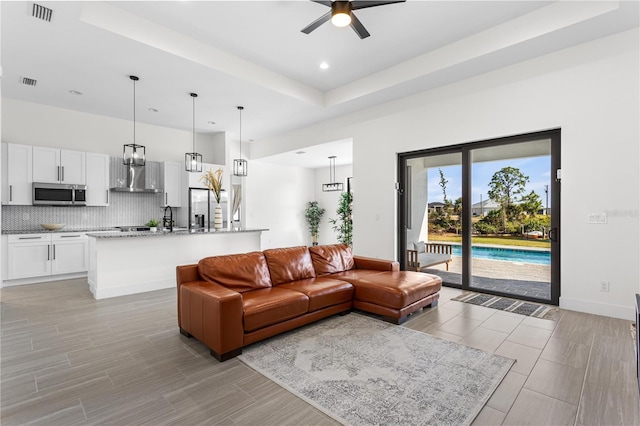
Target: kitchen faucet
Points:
(169, 219)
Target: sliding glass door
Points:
(484, 216)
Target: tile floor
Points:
(69, 359)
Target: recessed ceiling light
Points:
(153, 110)
(75, 92)
(301, 152)
(324, 65)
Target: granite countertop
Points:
(44, 231)
(144, 234)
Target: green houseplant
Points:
(314, 214)
(344, 224)
(153, 225)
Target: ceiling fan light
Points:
(341, 19)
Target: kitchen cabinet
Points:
(54, 165)
(172, 177)
(16, 174)
(37, 255)
(97, 172)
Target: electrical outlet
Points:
(604, 286)
(25, 216)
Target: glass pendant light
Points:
(134, 154)
(240, 165)
(193, 160)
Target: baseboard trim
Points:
(598, 308)
(43, 279)
(105, 293)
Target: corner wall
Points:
(590, 91)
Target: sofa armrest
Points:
(213, 314)
(185, 274)
(375, 264)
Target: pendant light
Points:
(333, 185)
(193, 160)
(240, 166)
(133, 154)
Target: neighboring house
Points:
(435, 206)
(484, 207)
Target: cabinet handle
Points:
(48, 252)
(107, 196)
(54, 252)
(166, 198)
(58, 172)
(70, 236)
(29, 238)
(62, 180)
(10, 192)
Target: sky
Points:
(537, 168)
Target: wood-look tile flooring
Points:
(68, 359)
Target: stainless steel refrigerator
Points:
(202, 206)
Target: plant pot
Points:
(315, 239)
(153, 228)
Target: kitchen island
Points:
(122, 263)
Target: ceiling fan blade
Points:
(358, 27)
(362, 4)
(315, 24)
(323, 2)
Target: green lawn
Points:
(505, 241)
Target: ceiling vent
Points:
(41, 12)
(29, 81)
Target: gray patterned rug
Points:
(363, 371)
(510, 305)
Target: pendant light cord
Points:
(240, 108)
(134, 112)
(194, 123)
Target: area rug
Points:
(510, 305)
(363, 371)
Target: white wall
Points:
(276, 198)
(590, 91)
(329, 201)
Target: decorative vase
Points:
(217, 218)
(315, 239)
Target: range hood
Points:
(135, 181)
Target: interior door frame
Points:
(554, 135)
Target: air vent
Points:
(29, 81)
(41, 12)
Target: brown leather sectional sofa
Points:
(228, 302)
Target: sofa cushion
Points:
(270, 306)
(289, 264)
(420, 247)
(355, 275)
(331, 259)
(396, 289)
(238, 272)
(322, 291)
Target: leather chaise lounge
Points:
(228, 302)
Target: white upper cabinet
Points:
(16, 174)
(172, 172)
(97, 179)
(54, 165)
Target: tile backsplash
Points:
(124, 209)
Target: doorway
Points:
(492, 208)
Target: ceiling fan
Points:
(341, 14)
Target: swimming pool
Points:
(538, 257)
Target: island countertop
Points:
(182, 231)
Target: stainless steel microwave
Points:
(59, 194)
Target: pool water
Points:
(507, 254)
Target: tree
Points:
(531, 203)
(314, 214)
(443, 184)
(504, 186)
(343, 224)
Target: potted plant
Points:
(213, 181)
(153, 225)
(314, 214)
(343, 224)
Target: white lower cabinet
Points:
(38, 255)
